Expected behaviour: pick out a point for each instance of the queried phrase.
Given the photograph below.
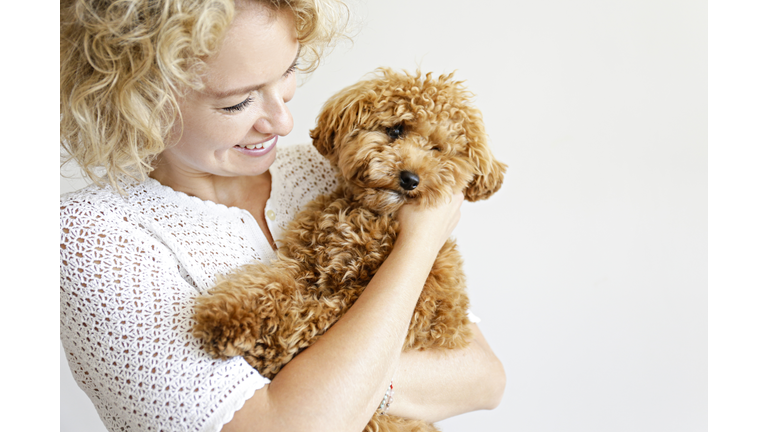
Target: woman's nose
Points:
(276, 118)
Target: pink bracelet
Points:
(389, 396)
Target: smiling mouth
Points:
(259, 146)
(252, 146)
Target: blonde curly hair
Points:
(122, 61)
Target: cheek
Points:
(174, 135)
(212, 130)
(192, 124)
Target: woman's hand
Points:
(430, 226)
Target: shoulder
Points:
(97, 224)
(153, 225)
(91, 196)
(102, 230)
(92, 208)
(95, 210)
(297, 163)
(299, 175)
(139, 205)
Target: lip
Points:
(268, 146)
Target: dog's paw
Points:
(226, 323)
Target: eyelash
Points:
(292, 69)
(244, 104)
(239, 107)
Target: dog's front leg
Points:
(245, 314)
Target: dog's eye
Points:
(395, 131)
(436, 148)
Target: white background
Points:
(589, 267)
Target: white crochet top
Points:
(131, 267)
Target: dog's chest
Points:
(341, 245)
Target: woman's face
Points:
(231, 127)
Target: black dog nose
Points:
(408, 180)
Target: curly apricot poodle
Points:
(395, 138)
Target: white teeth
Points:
(254, 146)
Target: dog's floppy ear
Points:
(337, 120)
(489, 173)
(324, 134)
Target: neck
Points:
(240, 191)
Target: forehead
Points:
(257, 48)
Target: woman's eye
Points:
(239, 107)
(395, 132)
(292, 69)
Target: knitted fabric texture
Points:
(131, 267)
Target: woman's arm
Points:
(437, 384)
(337, 383)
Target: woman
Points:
(194, 93)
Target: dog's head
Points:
(400, 138)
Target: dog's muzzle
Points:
(408, 180)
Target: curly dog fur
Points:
(394, 139)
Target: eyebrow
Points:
(243, 90)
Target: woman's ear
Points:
(489, 172)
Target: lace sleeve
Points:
(125, 313)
